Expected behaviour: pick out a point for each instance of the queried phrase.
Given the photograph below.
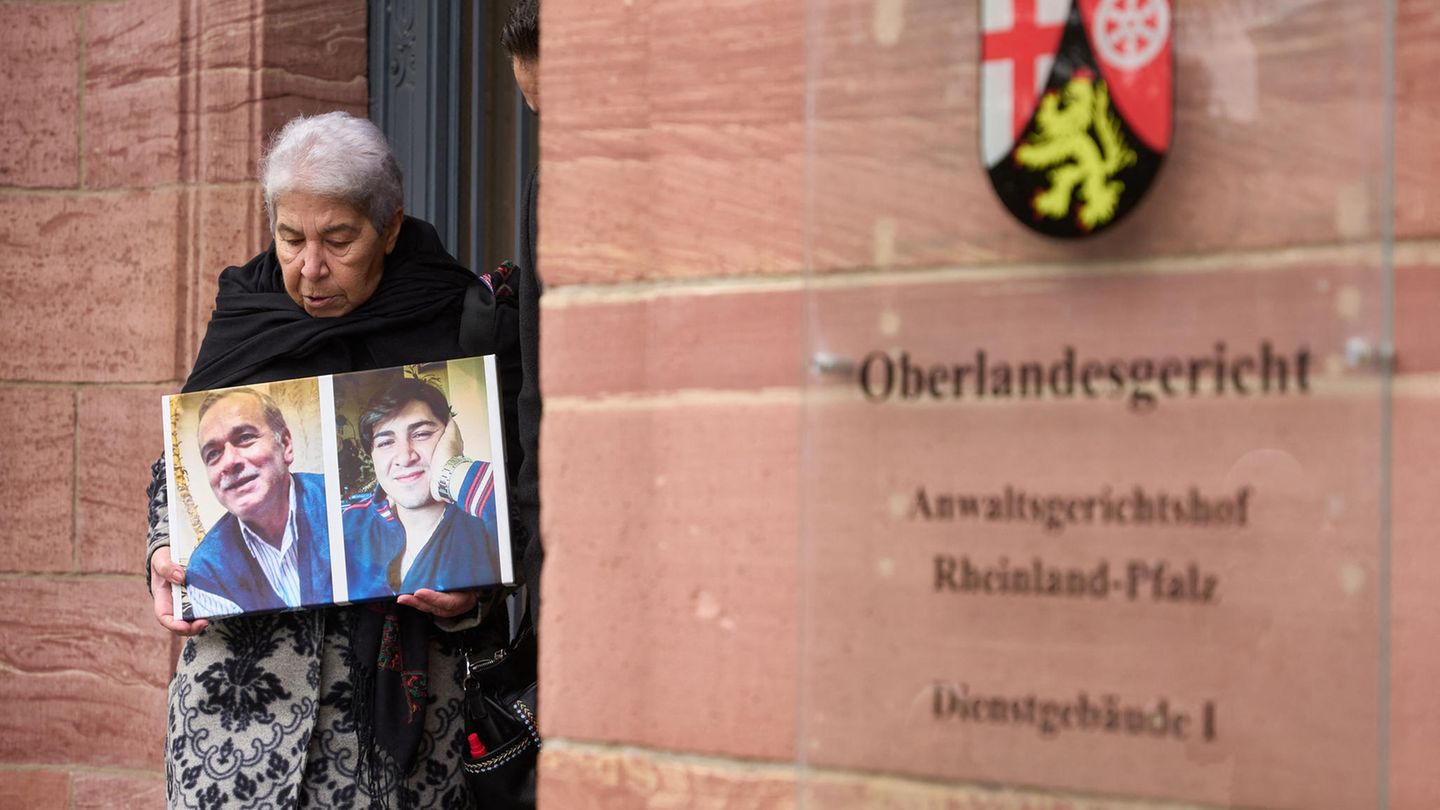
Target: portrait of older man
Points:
(271, 550)
(431, 521)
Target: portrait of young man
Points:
(430, 523)
(271, 549)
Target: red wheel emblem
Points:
(1130, 33)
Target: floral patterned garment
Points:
(261, 716)
(261, 713)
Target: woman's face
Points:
(331, 256)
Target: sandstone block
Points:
(719, 340)
(230, 230)
(289, 94)
(572, 777)
(77, 688)
(37, 469)
(689, 545)
(39, 80)
(859, 792)
(317, 39)
(1417, 114)
(35, 790)
(90, 287)
(674, 160)
(228, 32)
(95, 791)
(689, 212)
(1417, 294)
(119, 435)
(228, 141)
(1415, 579)
(132, 94)
(596, 61)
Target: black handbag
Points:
(500, 723)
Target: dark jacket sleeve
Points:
(157, 496)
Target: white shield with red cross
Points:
(1076, 106)
(1017, 53)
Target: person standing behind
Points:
(521, 39)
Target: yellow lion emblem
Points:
(1078, 161)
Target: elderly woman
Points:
(290, 709)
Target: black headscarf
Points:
(259, 334)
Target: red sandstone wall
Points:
(674, 239)
(128, 142)
(673, 150)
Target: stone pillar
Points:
(671, 240)
(674, 242)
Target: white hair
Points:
(334, 155)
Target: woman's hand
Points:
(164, 573)
(444, 605)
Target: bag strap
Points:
(490, 646)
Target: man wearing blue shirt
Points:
(431, 521)
(271, 550)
